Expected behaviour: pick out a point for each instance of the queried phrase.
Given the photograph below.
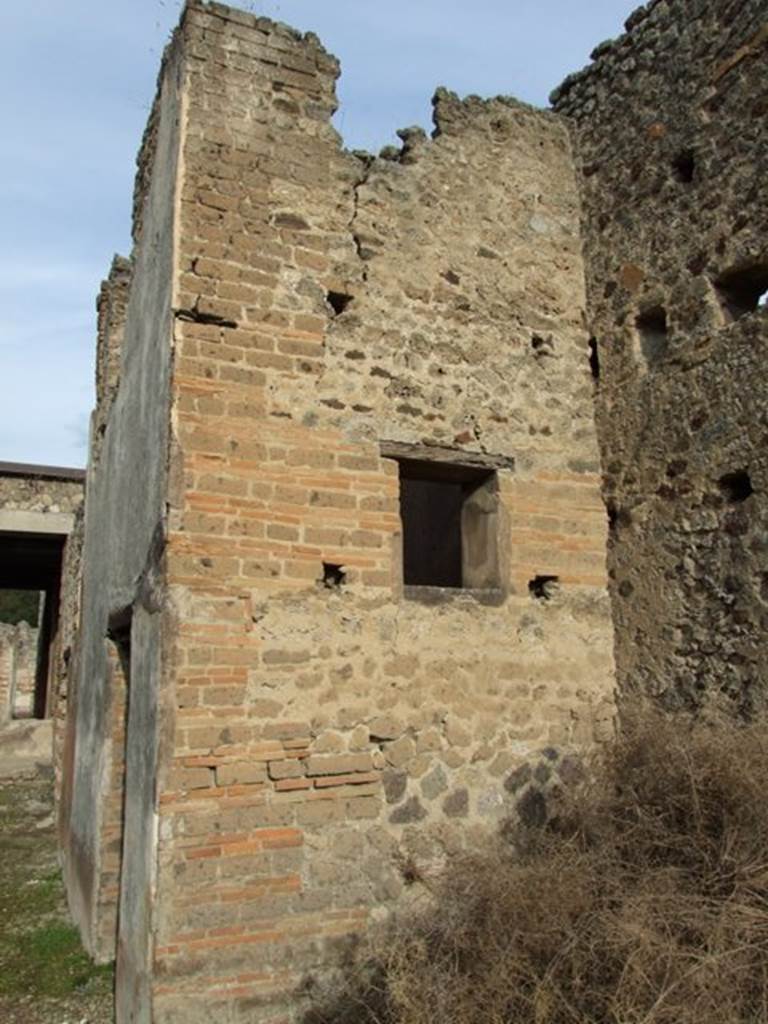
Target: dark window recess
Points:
(450, 525)
(684, 166)
(652, 334)
(543, 587)
(743, 291)
(333, 576)
(594, 359)
(737, 486)
(338, 301)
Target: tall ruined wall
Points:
(124, 528)
(332, 726)
(670, 130)
(111, 307)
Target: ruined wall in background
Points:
(112, 309)
(65, 660)
(28, 494)
(6, 672)
(39, 503)
(18, 666)
(670, 129)
(334, 735)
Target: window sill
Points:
(492, 596)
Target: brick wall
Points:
(318, 737)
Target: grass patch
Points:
(40, 952)
(50, 962)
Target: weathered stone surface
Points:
(434, 784)
(518, 778)
(456, 804)
(671, 151)
(385, 727)
(18, 665)
(395, 785)
(399, 753)
(411, 811)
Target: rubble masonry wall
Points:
(669, 125)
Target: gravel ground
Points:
(45, 976)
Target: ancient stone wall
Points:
(65, 658)
(112, 307)
(27, 493)
(38, 505)
(6, 673)
(332, 733)
(670, 131)
(18, 667)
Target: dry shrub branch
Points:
(643, 901)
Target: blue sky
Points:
(77, 80)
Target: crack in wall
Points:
(363, 253)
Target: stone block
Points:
(338, 764)
(242, 773)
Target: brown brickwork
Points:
(318, 723)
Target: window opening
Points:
(450, 522)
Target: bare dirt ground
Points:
(45, 976)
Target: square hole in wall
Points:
(450, 517)
(652, 336)
(742, 290)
